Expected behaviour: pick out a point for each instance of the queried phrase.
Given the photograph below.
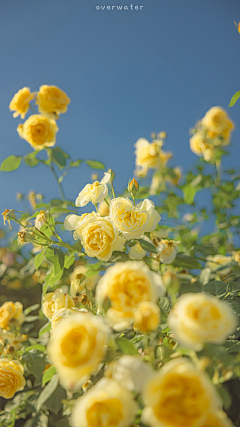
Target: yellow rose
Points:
(147, 316)
(217, 419)
(20, 102)
(11, 338)
(77, 346)
(131, 372)
(217, 121)
(51, 99)
(164, 157)
(199, 318)
(133, 221)
(64, 313)
(126, 285)
(167, 251)
(11, 378)
(197, 143)
(107, 404)
(95, 192)
(11, 312)
(39, 131)
(216, 263)
(79, 281)
(178, 395)
(148, 154)
(137, 252)
(98, 235)
(54, 301)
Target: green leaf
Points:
(39, 259)
(147, 246)
(56, 257)
(44, 329)
(185, 261)
(75, 164)
(189, 193)
(31, 159)
(30, 309)
(68, 261)
(126, 346)
(216, 288)
(35, 362)
(54, 403)
(48, 374)
(38, 347)
(50, 279)
(234, 99)
(59, 157)
(94, 164)
(47, 392)
(61, 210)
(11, 163)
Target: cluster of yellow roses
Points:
(214, 130)
(39, 130)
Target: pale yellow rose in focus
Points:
(11, 378)
(126, 285)
(147, 316)
(95, 193)
(166, 251)
(79, 281)
(199, 318)
(39, 131)
(77, 223)
(179, 395)
(218, 261)
(20, 102)
(51, 99)
(77, 346)
(133, 221)
(54, 301)
(11, 312)
(106, 404)
(218, 122)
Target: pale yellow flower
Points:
(40, 220)
(217, 419)
(11, 378)
(79, 280)
(126, 286)
(107, 404)
(11, 312)
(148, 154)
(98, 235)
(63, 313)
(11, 338)
(54, 301)
(131, 372)
(103, 209)
(147, 316)
(178, 395)
(95, 192)
(51, 99)
(198, 143)
(217, 121)
(133, 221)
(137, 252)
(77, 346)
(199, 318)
(218, 261)
(164, 157)
(20, 102)
(167, 251)
(39, 131)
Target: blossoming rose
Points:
(11, 312)
(167, 251)
(218, 123)
(51, 99)
(11, 378)
(147, 316)
(200, 146)
(218, 261)
(126, 286)
(98, 235)
(77, 346)
(79, 281)
(20, 102)
(54, 301)
(131, 372)
(95, 192)
(178, 395)
(133, 221)
(148, 154)
(217, 419)
(199, 318)
(39, 131)
(106, 404)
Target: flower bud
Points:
(40, 220)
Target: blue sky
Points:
(128, 73)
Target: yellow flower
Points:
(147, 316)
(39, 131)
(11, 378)
(20, 102)
(63, 313)
(11, 338)
(51, 99)
(98, 235)
(77, 346)
(217, 419)
(199, 318)
(217, 121)
(79, 281)
(167, 251)
(148, 154)
(236, 256)
(216, 263)
(137, 252)
(164, 157)
(54, 301)
(103, 209)
(197, 143)
(126, 286)
(178, 395)
(133, 221)
(95, 192)
(11, 312)
(131, 372)
(107, 404)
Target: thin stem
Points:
(55, 176)
(107, 202)
(113, 192)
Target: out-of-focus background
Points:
(128, 73)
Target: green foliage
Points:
(11, 163)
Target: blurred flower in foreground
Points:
(20, 102)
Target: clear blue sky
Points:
(128, 73)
